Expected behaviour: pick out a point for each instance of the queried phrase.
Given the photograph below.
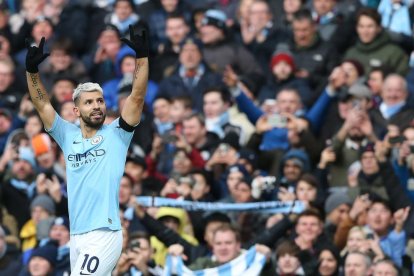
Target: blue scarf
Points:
(28, 188)
(248, 263)
(388, 111)
(215, 124)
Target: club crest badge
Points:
(96, 140)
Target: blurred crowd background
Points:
(247, 101)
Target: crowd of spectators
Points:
(247, 101)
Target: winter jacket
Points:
(159, 247)
(380, 52)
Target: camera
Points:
(187, 179)
(133, 244)
(356, 104)
(223, 148)
(262, 183)
(277, 120)
(169, 138)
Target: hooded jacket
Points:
(379, 52)
(159, 248)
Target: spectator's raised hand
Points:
(230, 77)
(41, 186)
(177, 250)
(35, 56)
(26, 106)
(365, 125)
(337, 78)
(263, 249)
(54, 188)
(400, 216)
(361, 204)
(137, 42)
(327, 156)
(262, 124)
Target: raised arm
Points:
(37, 91)
(131, 113)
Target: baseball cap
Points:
(356, 90)
(215, 18)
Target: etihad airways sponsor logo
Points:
(80, 159)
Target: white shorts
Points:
(95, 252)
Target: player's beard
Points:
(93, 124)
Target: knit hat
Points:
(111, 27)
(232, 139)
(6, 113)
(249, 155)
(41, 143)
(61, 221)
(26, 154)
(191, 40)
(215, 18)
(366, 148)
(282, 56)
(360, 91)
(47, 252)
(336, 199)
(240, 168)
(45, 202)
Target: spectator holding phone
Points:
(137, 258)
(272, 140)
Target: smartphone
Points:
(412, 148)
(49, 175)
(356, 104)
(277, 120)
(370, 236)
(133, 244)
(169, 138)
(395, 140)
(223, 148)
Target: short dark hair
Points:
(186, 100)
(229, 227)
(303, 14)
(131, 181)
(287, 247)
(310, 179)
(139, 235)
(216, 217)
(197, 115)
(224, 93)
(312, 212)
(383, 69)
(176, 15)
(62, 44)
(162, 97)
(379, 200)
(371, 13)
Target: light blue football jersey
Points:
(94, 168)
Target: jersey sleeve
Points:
(59, 129)
(124, 135)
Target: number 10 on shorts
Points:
(90, 263)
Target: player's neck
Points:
(88, 132)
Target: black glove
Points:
(137, 42)
(35, 56)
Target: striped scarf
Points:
(248, 263)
